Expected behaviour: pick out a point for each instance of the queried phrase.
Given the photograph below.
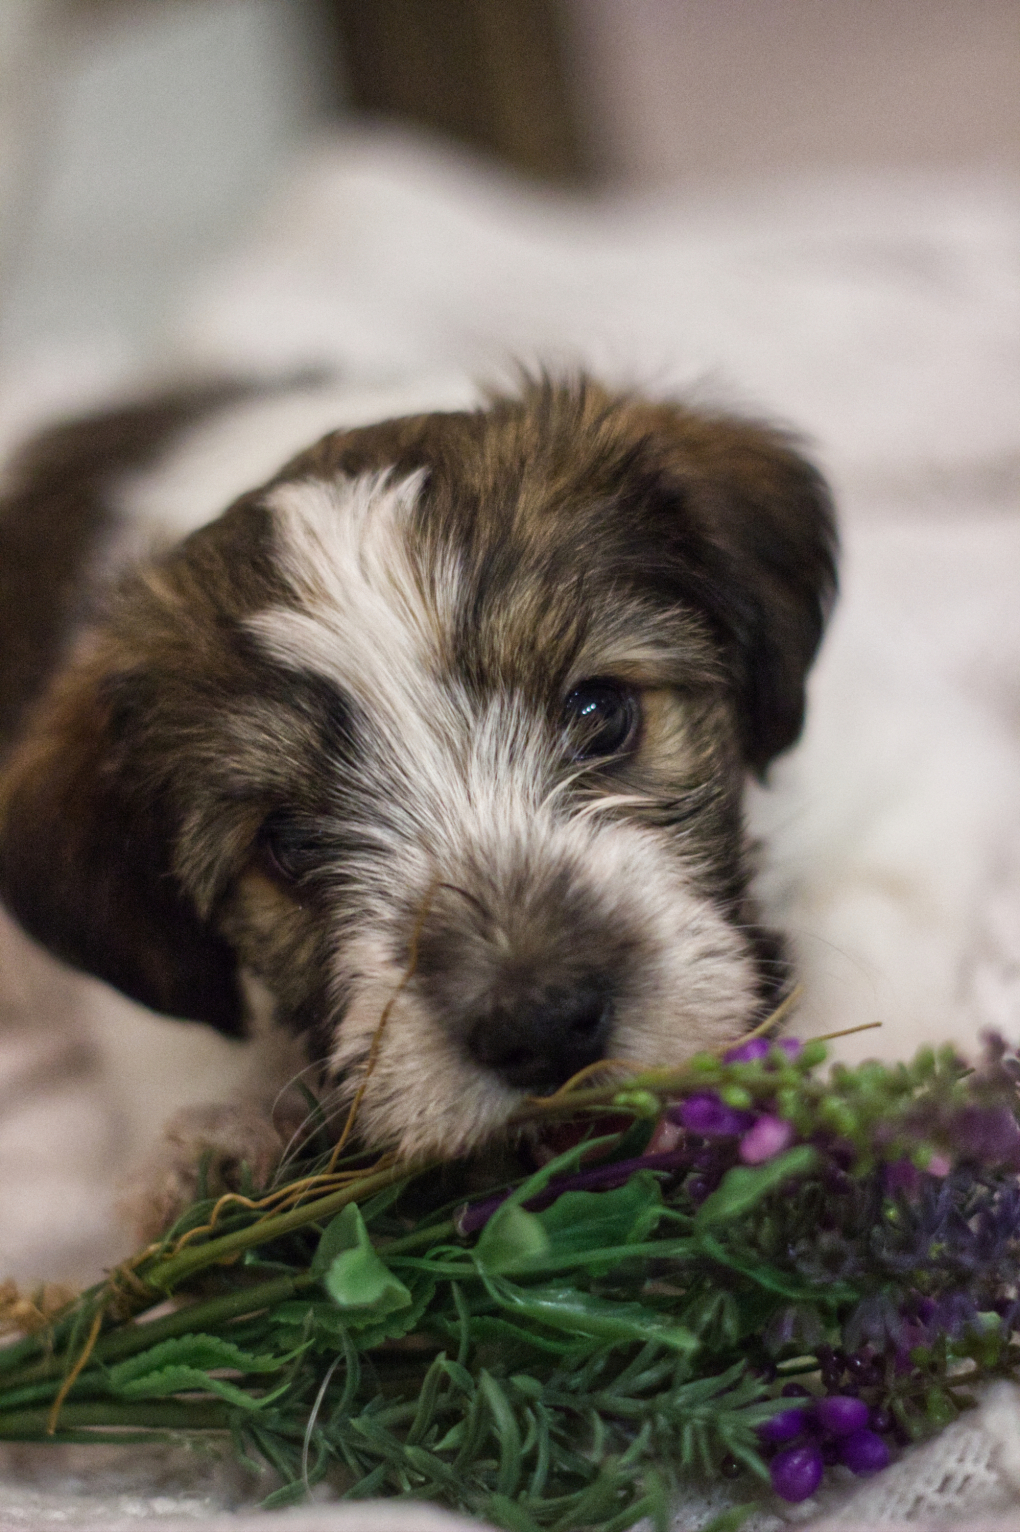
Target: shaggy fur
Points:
(336, 739)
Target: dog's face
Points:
(449, 722)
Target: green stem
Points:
(31, 1425)
(127, 1340)
(666, 1081)
(430, 1236)
(85, 1386)
(165, 1275)
(14, 1356)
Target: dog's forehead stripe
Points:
(364, 618)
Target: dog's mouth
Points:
(555, 1138)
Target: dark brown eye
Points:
(287, 846)
(601, 718)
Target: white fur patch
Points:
(367, 622)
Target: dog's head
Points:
(449, 721)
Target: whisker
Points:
(313, 1417)
(327, 1108)
(611, 802)
(294, 1079)
(565, 783)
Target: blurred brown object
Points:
(491, 73)
(682, 90)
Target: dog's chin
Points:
(415, 1092)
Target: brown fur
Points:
(54, 521)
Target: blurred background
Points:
(140, 139)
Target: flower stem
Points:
(126, 1341)
(163, 1276)
(30, 1425)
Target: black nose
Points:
(537, 1041)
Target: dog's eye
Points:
(287, 847)
(601, 718)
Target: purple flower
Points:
(784, 1426)
(875, 1321)
(769, 1137)
(913, 1333)
(955, 1314)
(760, 1048)
(925, 1309)
(841, 1414)
(796, 1472)
(988, 1133)
(746, 1053)
(902, 1176)
(864, 1452)
(712, 1118)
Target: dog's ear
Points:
(748, 533)
(85, 861)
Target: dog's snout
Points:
(535, 1042)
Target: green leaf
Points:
(939, 1408)
(197, 1352)
(714, 1316)
(453, 1438)
(180, 1380)
(323, 1318)
(579, 1221)
(357, 1279)
(500, 1332)
(831, 1294)
(580, 1313)
(286, 1495)
(745, 1186)
(581, 1224)
(507, 1434)
(340, 1234)
(513, 1240)
(509, 1514)
(370, 1332)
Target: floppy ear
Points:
(85, 862)
(751, 538)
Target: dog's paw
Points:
(223, 1146)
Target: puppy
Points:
(449, 719)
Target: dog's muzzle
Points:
(536, 1040)
(527, 976)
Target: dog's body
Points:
(458, 707)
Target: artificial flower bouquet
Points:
(743, 1267)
